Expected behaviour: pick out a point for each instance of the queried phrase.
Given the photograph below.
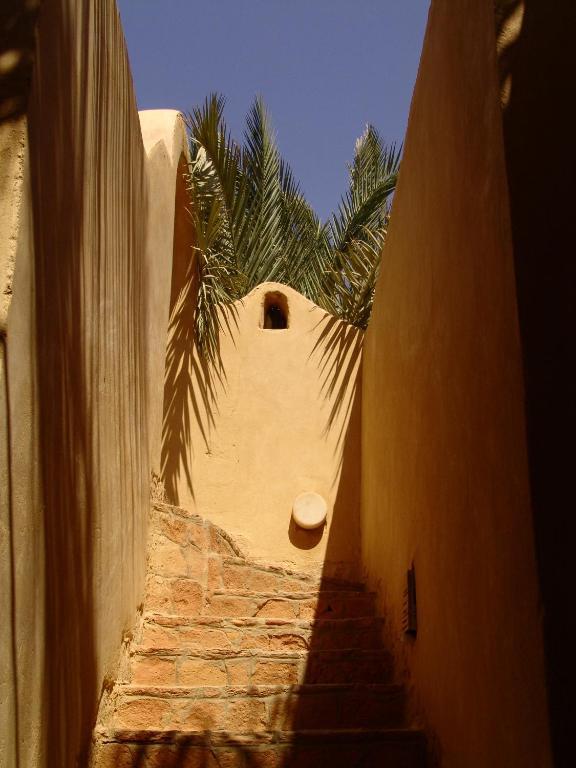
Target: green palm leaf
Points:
(253, 223)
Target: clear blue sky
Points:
(325, 68)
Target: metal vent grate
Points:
(409, 615)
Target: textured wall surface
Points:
(444, 475)
(280, 418)
(169, 244)
(74, 441)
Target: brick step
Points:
(186, 528)
(182, 596)
(350, 748)
(217, 571)
(290, 605)
(231, 653)
(140, 709)
(263, 634)
(238, 573)
(245, 667)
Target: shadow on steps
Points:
(391, 749)
(260, 667)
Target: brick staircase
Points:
(238, 665)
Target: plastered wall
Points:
(280, 417)
(444, 472)
(169, 242)
(75, 468)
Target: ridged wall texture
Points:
(77, 476)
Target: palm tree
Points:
(253, 224)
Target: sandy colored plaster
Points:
(444, 474)
(279, 419)
(166, 127)
(169, 242)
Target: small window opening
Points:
(275, 311)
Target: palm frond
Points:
(253, 223)
(373, 176)
(358, 230)
(261, 165)
(210, 136)
(303, 240)
(355, 283)
(216, 192)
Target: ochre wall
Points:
(277, 421)
(444, 473)
(169, 243)
(74, 423)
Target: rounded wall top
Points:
(166, 126)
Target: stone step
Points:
(245, 667)
(383, 749)
(143, 709)
(175, 532)
(160, 632)
(290, 605)
(173, 596)
(350, 748)
(237, 664)
(216, 571)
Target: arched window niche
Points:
(275, 315)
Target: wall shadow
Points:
(57, 177)
(537, 62)
(303, 539)
(337, 354)
(337, 351)
(178, 380)
(191, 383)
(304, 751)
